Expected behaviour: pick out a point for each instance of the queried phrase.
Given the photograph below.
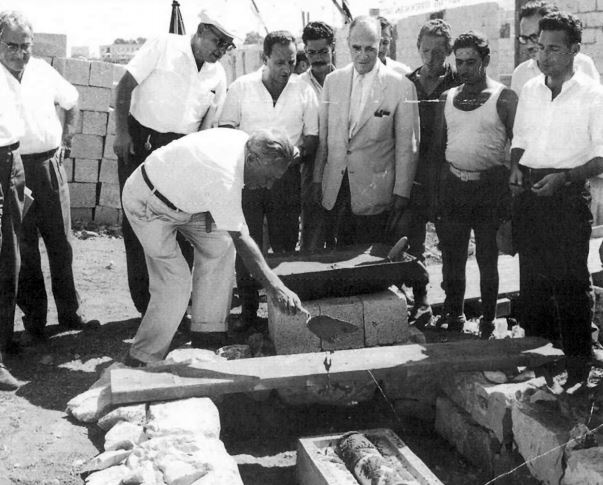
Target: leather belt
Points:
(465, 175)
(38, 157)
(534, 175)
(155, 192)
(5, 150)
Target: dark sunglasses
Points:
(523, 39)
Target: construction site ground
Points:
(41, 445)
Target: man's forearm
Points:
(254, 261)
(70, 121)
(122, 102)
(516, 154)
(590, 169)
(310, 145)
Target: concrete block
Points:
(477, 444)
(101, 74)
(538, 429)
(50, 45)
(79, 124)
(87, 146)
(584, 466)
(385, 319)
(107, 215)
(86, 170)
(93, 98)
(108, 151)
(488, 404)
(108, 171)
(109, 196)
(349, 309)
(94, 123)
(82, 195)
(111, 123)
(587, 6)
(289, 333)
(81, 214)
(68, 167)
(76, 71)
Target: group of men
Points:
(366, 153)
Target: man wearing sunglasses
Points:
(529, 16)
(172, 87)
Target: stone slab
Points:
(488, 404)
(107, 215)
(94, 123)
(584, 467)
(108, 171)
(108, 151)
(101, 74)
(476, 443)
(82, 195)
(111, 123)
(89, 147)
(85, 170)
(49, 45)
(538, 429)
(76, 71)
(93, 98)
(81, 214)
(109, 196)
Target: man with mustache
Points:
(319, 42)
(173, 86)
(272, 98)
(473, 125)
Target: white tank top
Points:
(476, 139)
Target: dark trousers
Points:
(281, 207)
(48, 216)
(552, 237)
(138, 276)
(12, 186)
(467, 205)
(350, 228)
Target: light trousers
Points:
(156, 226)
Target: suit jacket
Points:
(381, 154)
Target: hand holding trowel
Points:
(329, 328)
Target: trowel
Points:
(328, 328)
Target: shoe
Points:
(31, 338)
(486, 328)
(450, 323)
(420, 316)
(7, 381)
(578, 370)
(133, 362)
(78, 323)
(208, 340)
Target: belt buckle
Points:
(464, 176)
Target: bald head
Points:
(363, 41)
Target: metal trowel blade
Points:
(329, 328)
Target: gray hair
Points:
(14, 19)
(271, 145)
(366, 20)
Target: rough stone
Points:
(94, 123)
(195, 416)
(86, 170)
(110, 476)
(94, 99)
(106, 460)
(76, 71)
(108, 171)
(124, 436)
(101, 74)
(135, 414)
(584, 467)
(109, 196)
(488, 404)
(87, 146)
(476, 443)
(82, 195)
(539, 429)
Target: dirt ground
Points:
(41, 445)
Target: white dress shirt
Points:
(249, 107)
(203, 172)
(396, 66)
(12, 125)
(529, 69)
(173, 95)
(309, 77)
(564, 132)
(43, 87)
(358, 100)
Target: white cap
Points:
(204, 18)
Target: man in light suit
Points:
(369, 130)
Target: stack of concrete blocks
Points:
(499, 426)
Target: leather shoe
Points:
(133, 362)
(208, 340)
(420, 316)
(7, 381)
(78, 323)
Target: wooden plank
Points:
(285, 371)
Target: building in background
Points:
(81, 51)
(121, 51)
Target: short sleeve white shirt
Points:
(396, 66)
(529, 69)
(43, 88)
(203, 172)
(249, 107)
(173, 95)
(312, 82)
(12, 125)
(559, 133)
